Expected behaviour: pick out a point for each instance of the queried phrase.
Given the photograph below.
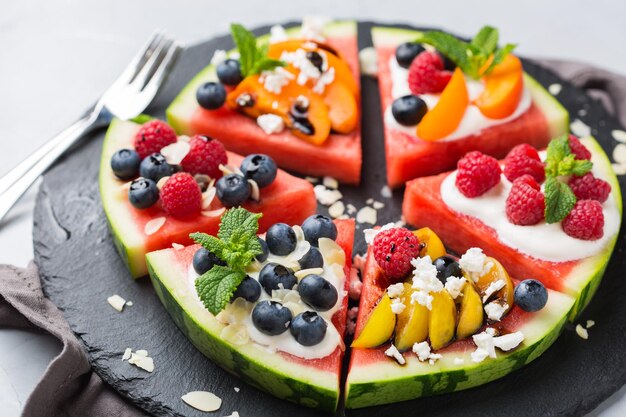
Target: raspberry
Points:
(205, 157)
(578, 149)
(427, 74)
(153, 136)
(393, 250)
(525, 204)
(181, 196)
(521, 160)
(589, 187)
(477, 174)
(585, 221)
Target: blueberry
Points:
(281, 239)
(271, 318)
(317, 292)
(263, 256)
(448, 64)
(312, 259)
(273, 274)
(232, 190)
(317, 226)
(155, 167)
(308, 328)
(531, 295)
(211, 95)
(406, 53)
(260, 168)
(125, 164)
(143, 193)
(409, 110)
(249, 290)
(229, 72)
(203, 260)
(447, 266)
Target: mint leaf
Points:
(210, 243)
(246, 45)
(559, 200)
(486, 40)
(581, 167)
(216, 287)
(236, 218)
(266, 64)
(499, 56)
(450, 46)
(142, 118)
(558, 149)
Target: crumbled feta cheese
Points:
(579, 128)
(313, 27)
(325, 79)
(203, 400)
(326, 196)
(494, 287)
(367, 215)
(370, 234)
(330, 182)
(393, 352)
(422, 298)
(434, 357)
(219, 56)
(454, 285)
(175, 152)
(422, 350)
(153, 225)
(397, 306)
(619, 135)
(479, 355)
(425, 275)
(386, 192)
(127, 354)
(491, 331)
(274, 80)
(484, 341)
(582, 332)
(555, 89)
(495, 310)
(277, 34)
(368, 61)
(474, 262)
(237, 389)
(270, 123)
(619, 153)
(590, 324)
(459, 361)
(299, 60)
(395, 290)
(336, 209)
(116, 302)
(508, 341)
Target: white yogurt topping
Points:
(333, 272)
(473, 121)
(542, 241)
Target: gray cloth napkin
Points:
(70, 388)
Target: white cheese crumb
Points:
(582, 332)
(270, 123)
(116, 302)
(378, 205)
(485, 342)
(219, 56)
(479, 355)
(385, 192)
(368, 61)
(619, 153)
(326, 196)
(312, 180)
(590, 324)
(330, 182)
(178, 246)
(422, 350)
(422, 298)
(395, 290)
(336, 209)
(277, 34)
(274, 80)
(174, 153)
(370, 234)
(397, 306)
(508, 341)
(325, 79)
(425, 275)
(203, 400)
(459, 361)
(237, 389)
(579, 128)
(555, 89)
(393, 352)
(495, 310)
(491, 331)
(454, 285)
(154, 225)
(473, 262)
(619, 135)
(127, 354)
(494, 287)
(367, 215)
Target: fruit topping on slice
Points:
(427, 74)
(312, 259)
(262, 256)
(521, 160)
(393, 250)
(318, 226)
(260, 168)
(585, 221)
(525, 204)
(409, 110)
(249, 290)
(578, 149)
(343, 110)
(411, 323)
(155, 167)
(181, 196)
(125, 164)
(205, 156)
(271, 317)
(442, 320)
(493, 282)
(430, 243)
(308, 328)
(153, 136)
(281, 239)
(589, 187)
(229, 72)
(471, 313)
(317, 292)
(446, 115)
(211, 95)
(379, 326)
(275, 276)
(203, 260)
(447, 266)
(531, 295)
(477, 173)
(503, 89)
(406, 53)
(143, 193)
(232, 190)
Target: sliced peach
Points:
(342, 107)
(496, 273)
(412, 323)
(471, 313)
(433, 246)
(379, 326)
(446, 115)
(503, 89)
(251, 98)
(442, 320)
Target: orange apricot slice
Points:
(342, 107)
(503, 89)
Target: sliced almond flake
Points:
(127, 354)
(142, 352)
(255, 192)
(129, 303)
(203, 400)
(154, 225)
(619, 169)
(304, 272)
(144, 362)
(229, 169)
(237, 390)
(619, 135)
(582, 332)
(579, 128)
(369, 201)
(162, 182)
(234, 414)
(367, 215)
(213, 213)
(619, 153)
(175, 152)
(299, 233)
(555, 89)
(330, 182)
(590, 324)
(368, 61)
(326, 196)
(116, 302)
(350, 208)
(336, 209)
(178, 246)
(378, 205)
(312, 180)
(386, 192)
(207, 197)
(582, 112)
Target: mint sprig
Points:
(471, 57)
(560, 161)
(237, 245)
(253, 57)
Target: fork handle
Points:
(17, 181)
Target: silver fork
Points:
(126, 98)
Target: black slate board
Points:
(80, 269)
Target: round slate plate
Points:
(80, 269)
